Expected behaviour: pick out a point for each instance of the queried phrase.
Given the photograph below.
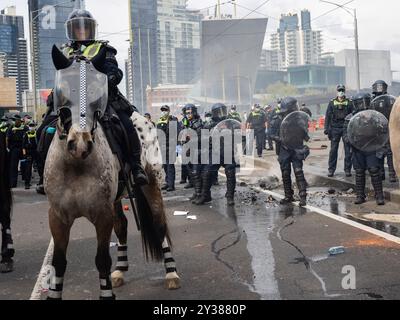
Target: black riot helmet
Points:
(81, 26)
(379, 88)
(361, 101)
(219, 111)
(191, 110)
(289, 105)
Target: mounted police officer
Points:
(163, 124)
(359, 136)
(338, 109)
(81, 31)
(15, 136)
(219, 113)
(289, 130)
(383, 103)
(257, 121)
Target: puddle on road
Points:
(338, 204)
(250, 216)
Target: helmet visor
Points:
(81, 29)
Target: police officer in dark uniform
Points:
(81, 29)
(233, 114)
(4, 124)
(195, 168)
(29, 150)
(362, 160)
(15, 136)
(269, 114)
(257, 121)
(185, 176)
(380, 88)
(219, 113)
(338, 109)
(288, 156)
(163, 124)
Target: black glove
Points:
(326, 132)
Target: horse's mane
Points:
(5, 192)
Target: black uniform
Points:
(15, 136)
(362, 160)
(7, 249)
(289, 157)
(257, 120)
(29, 146)
(168, 162)
(334, 123)
(219, 113)
(269, 118)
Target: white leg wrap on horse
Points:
(122, 263)
(56, 288)
(106, 288)
(169, 261)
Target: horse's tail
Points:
(152, 217)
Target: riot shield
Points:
(383, 104)
(294, 129)
(368, 130)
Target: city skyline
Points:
(337, 26)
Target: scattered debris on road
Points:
(336, 250)
(181, 213)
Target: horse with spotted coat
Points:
(81, 180)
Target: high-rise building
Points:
(47, 19)
(179, 28)
(165, 46)
(293, 46)
(143, 44)
(13, 50)
(129, 76)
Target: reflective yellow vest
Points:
(89, 52)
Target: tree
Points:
(280, 90)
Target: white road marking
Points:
(37, 290)
(357, 225)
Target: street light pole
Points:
(357, 53)
(33, 70)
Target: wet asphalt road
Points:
(256, 250)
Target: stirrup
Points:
(139, 176)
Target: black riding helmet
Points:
(379, 87)
(81, 26)
(289, 105)
(219, 111)
(361, 101)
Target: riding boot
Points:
(230, 187)
(377, 184)
(139, 175)
(360, 186)
(197, 182)
(287, 186)
(205, 195)
(302, 186)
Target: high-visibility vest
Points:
(31, 135)
(89, 52)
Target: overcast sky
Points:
(377, 21)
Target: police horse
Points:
(394, 132)
(7, 249)
(81, 179)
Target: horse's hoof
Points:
(117, 279)
(172, 281)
